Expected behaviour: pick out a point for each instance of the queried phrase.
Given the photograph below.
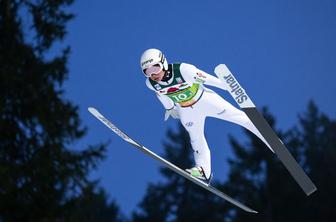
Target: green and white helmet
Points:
(152, 57)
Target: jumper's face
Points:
(155, 72)
(157, 77)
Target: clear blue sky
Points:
(282, 52)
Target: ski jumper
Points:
(185, 91)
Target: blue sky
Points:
(282, 52)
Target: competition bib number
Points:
(185, 94)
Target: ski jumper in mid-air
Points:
(180, 88)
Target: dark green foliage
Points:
(266, 185)
(318, 141)
(93, 206)
(40, 172)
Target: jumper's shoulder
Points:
(183, 67)
(187, 67)
(188, 71)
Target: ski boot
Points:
(198, 172)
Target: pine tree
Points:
(91, 206)
(40, 172)
(317, 136)
(258, 177)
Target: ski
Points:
(168, 164)
(246, 104)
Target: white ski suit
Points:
(185, 92)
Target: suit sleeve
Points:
(165, 100)
(195, 75)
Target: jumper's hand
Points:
(173, 113)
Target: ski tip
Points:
(249, 210)
(221, 68)
(92, 109)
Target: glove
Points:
(172, 112)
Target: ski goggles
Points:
(155, 69)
